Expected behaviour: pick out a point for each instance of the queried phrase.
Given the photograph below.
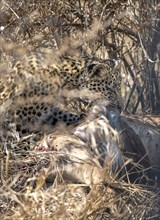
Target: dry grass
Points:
(33, 199)
(33, 185)
(90, 28)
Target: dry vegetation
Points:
(125, 30)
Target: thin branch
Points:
(129, 97)
(134, 80)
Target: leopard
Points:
(40, 75)
(28, 93)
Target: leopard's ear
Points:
(97, 70)
(90, 67)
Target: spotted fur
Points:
(38, 76)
